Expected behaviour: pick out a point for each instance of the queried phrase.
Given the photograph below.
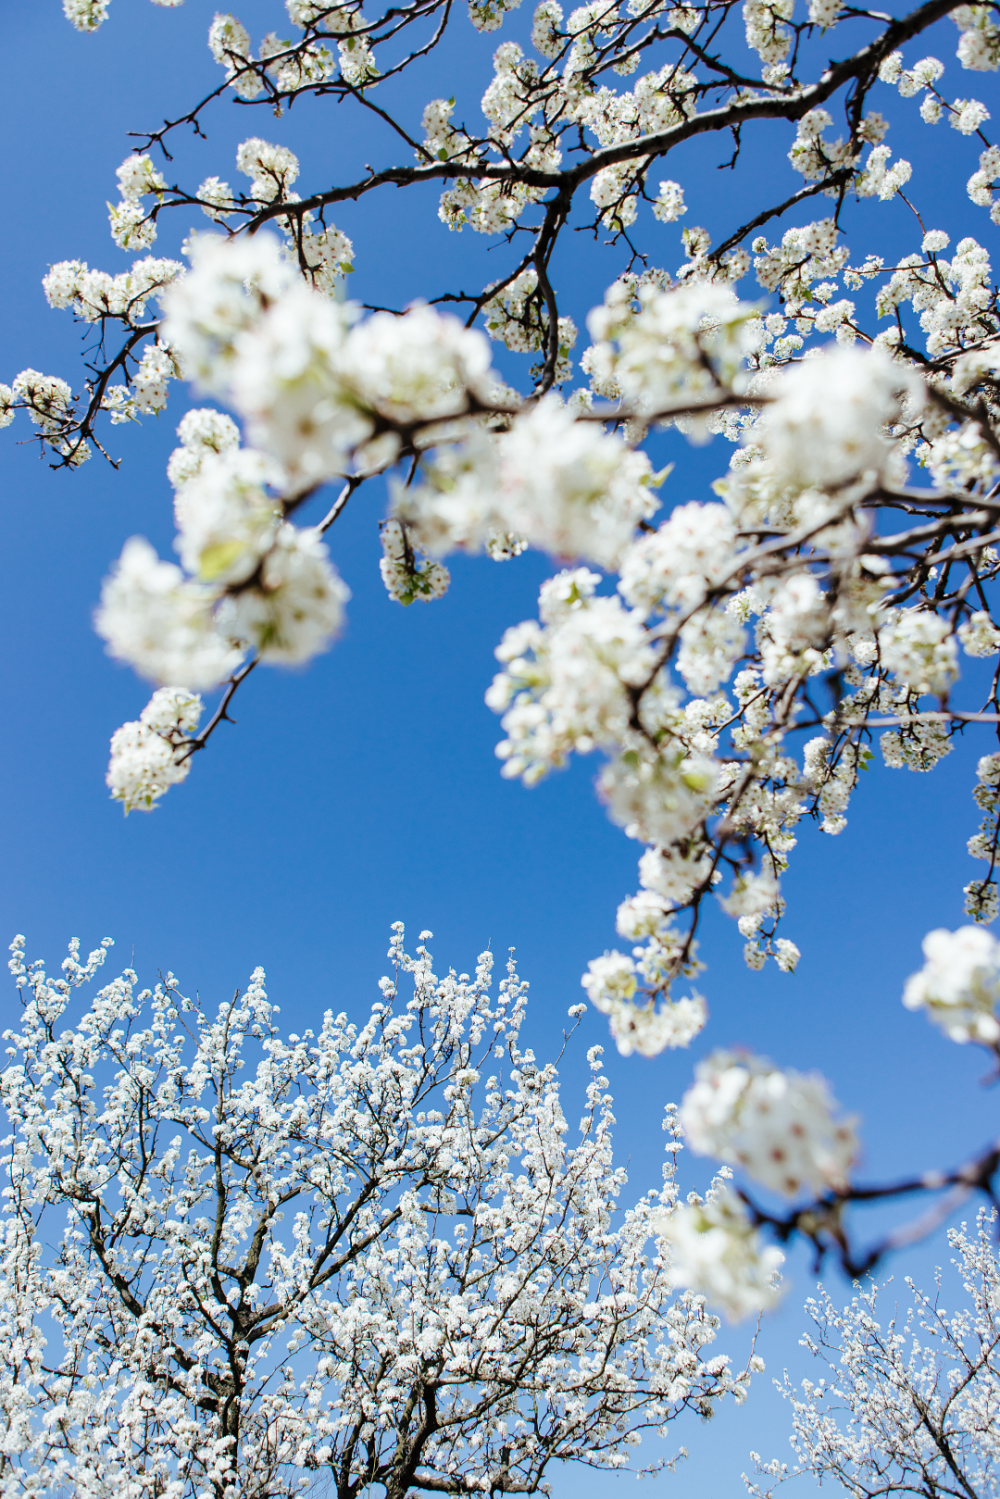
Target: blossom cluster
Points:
(779, 1126)
(959, 984)
(153, 754)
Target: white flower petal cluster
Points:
(133, 225)
(47, 399)
(418, 367)
(879, 179)
(959, 984)
(979, 43)
(711, 644)
(679, 346)
(203, 432)
(570, 488)
(162, 623)
(824, 427)
(659, 796)
(693, 550)
(963, 456)
(674, 874)
(307, 384)
(567, 487)
(290, 388)
(752, 895)
(611, 986)
(805, 255)
(153, 754)
(229, 44)
(669, 205)
(151, 381)
(779, 1126)
(978, 635)
(271, 169)
(223, 294)
(982, 897)
(920, 651)
(714, 1249)
(95, 295)
(86, 15)
(296, 609)
(566, 680)
(406, 575)
(917, 746)
(253, 581)
(793, 632)
(226, 520)
(517, 317)
(949, 297)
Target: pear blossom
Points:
(297, 608)
(151, 755)
(779, 1126)
(162, 623)
(979, 636)
(919, 649)
(959, 984)
(405, 577)
(715, 1249)
(824, 427)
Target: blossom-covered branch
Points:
(233, 1261)
(906, 1406)
(737, 663)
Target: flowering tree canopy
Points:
(232, 1260)
(736, 662)
(911, 1407)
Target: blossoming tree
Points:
(737, 662)
(910, 1407)
(235, 1263)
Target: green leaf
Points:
(215, 559)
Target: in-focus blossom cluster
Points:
(153, 754)
(88, 15)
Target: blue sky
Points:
(365, 789)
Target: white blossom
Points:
(824, 427)
(715, 1249)
(226, 519)
(919, 649)
(979, 635)
(405, 575)
(959, 984)
(151, 755)
(779, 1126)
(162, 623)
(297, 608)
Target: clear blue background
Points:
(365, 789)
